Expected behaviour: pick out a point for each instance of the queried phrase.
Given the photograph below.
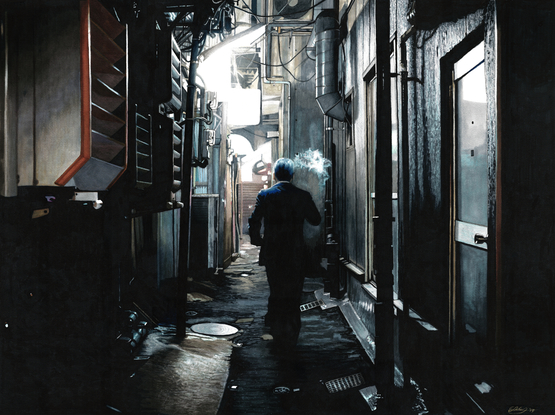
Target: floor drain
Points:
(281, 390)
(342, 384)
(312, 304)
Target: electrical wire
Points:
(283, 14)
(256, 78)
(287, 69)
(288, 62)
(346, 14)
(250, 11)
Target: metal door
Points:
(470, 195)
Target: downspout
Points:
(404, 180)
(186, 157)
(383, 251)
(198, 160)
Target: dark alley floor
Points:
(241, 374)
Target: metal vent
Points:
(143, 149)
(342, 384)
(312, 305)
(175, 67)
(177, 137)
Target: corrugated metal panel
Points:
(249, 191)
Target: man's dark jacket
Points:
(284, 208)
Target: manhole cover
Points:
(281, 390)
(191, 313)
(214, 329)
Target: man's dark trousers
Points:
(284, 314)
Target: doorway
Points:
(469, 253)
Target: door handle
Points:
(480, 239)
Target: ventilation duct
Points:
(328, 97)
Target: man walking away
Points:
(284, 208)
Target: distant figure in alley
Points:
(284, 208)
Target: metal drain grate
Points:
(312, 304)
(342, 384)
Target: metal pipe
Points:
(326, 31)
(404, 180)
(383, 252)
(328, 97)
(186, 156)
(268, 80)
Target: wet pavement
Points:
(242, 373)
(264, 381)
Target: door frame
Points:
(448, 189)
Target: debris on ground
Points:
(192, 297)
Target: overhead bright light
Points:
(243, 106)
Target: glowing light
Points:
(216, 71)
(244, 105)
(240, 145)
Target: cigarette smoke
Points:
(311, 174)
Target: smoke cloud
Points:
(311, 174)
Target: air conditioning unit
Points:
(293, 9)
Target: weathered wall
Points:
(351, 141)
(306, 120)
(427, 252)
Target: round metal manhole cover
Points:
(191, 313)
(214, 329)
(281, 390)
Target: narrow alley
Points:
(241, 373)
(142, 143)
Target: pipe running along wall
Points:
(329, 99)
